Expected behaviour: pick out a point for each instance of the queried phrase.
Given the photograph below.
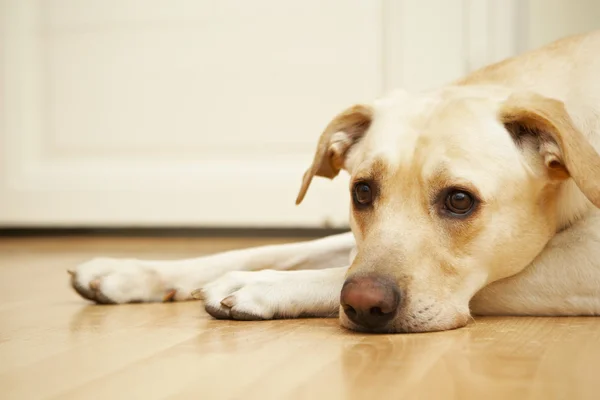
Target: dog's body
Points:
(480, 197)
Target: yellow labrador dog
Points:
(480, 197)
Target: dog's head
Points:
(449, 192)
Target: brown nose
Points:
(370, 301)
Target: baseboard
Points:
(168, 232)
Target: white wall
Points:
(132, 112)
(548, 20)
(135, 113)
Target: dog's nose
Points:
(370, 301)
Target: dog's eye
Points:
(363, 195)
(459, 202)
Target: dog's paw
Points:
(245, 296)
(118, 281)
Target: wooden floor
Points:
(55, 345)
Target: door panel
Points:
(187, 113)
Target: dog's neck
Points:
(571, 205)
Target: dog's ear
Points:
(345, 130)
(532, 118)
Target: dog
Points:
(478, 198)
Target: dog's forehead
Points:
(398, 123)
(405, 125)
(455, 132)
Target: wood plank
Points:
(55, 345)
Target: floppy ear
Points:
(346, 129)
(565, 150)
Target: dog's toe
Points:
(217, 312)
(112, 281)
(170, 295)
(230, 308)
(94, 284)
(228, 301)
(198, 294)
(239, 296)
(240, 315)
(83, 290)
(101, 298)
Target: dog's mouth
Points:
(426, 319)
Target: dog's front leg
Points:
(109, 280)
(563, 280)
(272, 294)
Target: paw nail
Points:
(71, 272)
(198, 294)
(169, 296)
(95, 284)
(228, 302)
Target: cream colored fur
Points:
(532, 249)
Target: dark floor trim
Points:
(168, 232)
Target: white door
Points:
(188, 113)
